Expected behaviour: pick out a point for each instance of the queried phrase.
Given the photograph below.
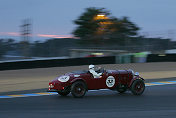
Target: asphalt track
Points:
(156, 102)
(29, 79)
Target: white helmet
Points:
(91, 66)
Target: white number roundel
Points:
(110, 81)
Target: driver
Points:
(94, 73)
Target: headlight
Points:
(136, 74)
(63, 78)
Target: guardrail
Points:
(57, 62)
(161, 58)
(29, 64)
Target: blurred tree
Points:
(53, 47)
(24, 49)
(2, 48)
(123, 27)
(96, 26)
(9, 44)
(5, 45)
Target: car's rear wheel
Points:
(63, 93)
(138, 87)
(78, 89)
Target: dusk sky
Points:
(54, 18)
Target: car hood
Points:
(76, 72)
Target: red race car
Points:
(79, 82)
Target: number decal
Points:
(110, 81)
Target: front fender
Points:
(135, 78)
(79, 79)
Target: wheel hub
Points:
(79, 89)
(138, 86)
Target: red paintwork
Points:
(124, 77)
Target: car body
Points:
(79, 82)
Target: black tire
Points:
(63, 93)
(138, 87)
(78, 89)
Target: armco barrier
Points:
(161, 58)
(56, 63)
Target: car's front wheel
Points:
(138, 87)
(63, 93)
(78, 89)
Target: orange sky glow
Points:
(10, 33)
(54, 36)
(38, 35)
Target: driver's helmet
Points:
(91, 66)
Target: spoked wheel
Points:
(138, 87)
(78, 89)
(63, 93)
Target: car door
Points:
(92, 82)
(101, 82)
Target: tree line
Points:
(96, 28)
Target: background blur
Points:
(129, 30)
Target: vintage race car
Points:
(79, 82)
